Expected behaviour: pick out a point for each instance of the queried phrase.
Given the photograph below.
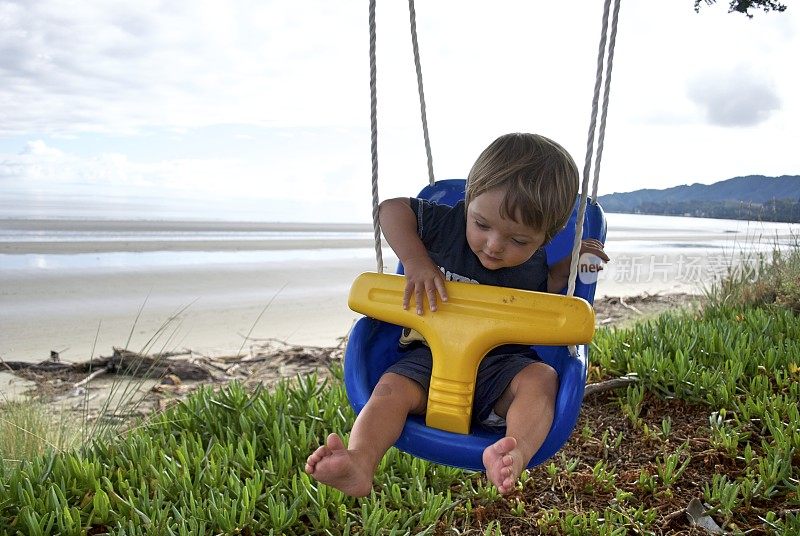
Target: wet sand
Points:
(214, 308)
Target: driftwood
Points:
(607, 385)
(127, 363)
(631, 307)
(122, 362)
(266, 362)
(90, 377)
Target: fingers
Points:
(602, 254)
(407, 293)
(418, 290)
(419, 295)
(440, 288)
(595, 247)
(429, 288)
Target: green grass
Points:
(221, 463)
(33, 425)
(714, 417)
(29, 428)
(763, 279)
(231, 462)
(742, 365)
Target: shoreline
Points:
(263, 360)
(218, 331)
(76, 287)
(78, 247)
(63, 224)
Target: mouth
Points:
(491, 258)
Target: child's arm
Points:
(558, 276)
(399, 225)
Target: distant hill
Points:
(754, 197)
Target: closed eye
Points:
(481, 226)
(519, 242)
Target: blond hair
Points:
(540, 177)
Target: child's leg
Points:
(528, 405)
(376, 429)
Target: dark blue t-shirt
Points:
(443, 230)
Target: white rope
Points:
(373, 116)
(602, 134)
(415, 45)
(589, 145)
(576, 245)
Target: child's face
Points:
(499, 242)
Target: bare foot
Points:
(504, 464)
(334, 465)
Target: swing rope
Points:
(576, 245)
(602, 135)
(415, 45)
(604, 39)
(373, 101)
(373, 118)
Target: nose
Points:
(494, 244)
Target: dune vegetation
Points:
(709, 435)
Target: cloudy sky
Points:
(260, 110)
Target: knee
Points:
(538, 378)
(403, 389)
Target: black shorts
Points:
(495, 373)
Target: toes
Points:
(311, 463)
(335, 442)
(498, 466)
(504, 445)
(320, 453)
(315, 457)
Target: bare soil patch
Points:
(582, 490)
(622, 311)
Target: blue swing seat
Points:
(373, 346)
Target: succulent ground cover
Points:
(714, 417)
(712, 423)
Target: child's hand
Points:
(423, 277)
(594, 247)
(559, 272)
(591, 246)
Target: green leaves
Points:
(232, 461)
(227, 462)
(740, 363)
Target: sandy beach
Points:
(99, 236)
(218, 307)
(77, 287)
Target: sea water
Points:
(629, 235)
(70, 300)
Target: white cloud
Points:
(119, 67)
(40, 148)
(738, 98)
(301, 173)
(223, 98)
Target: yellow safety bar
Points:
(474, 320)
